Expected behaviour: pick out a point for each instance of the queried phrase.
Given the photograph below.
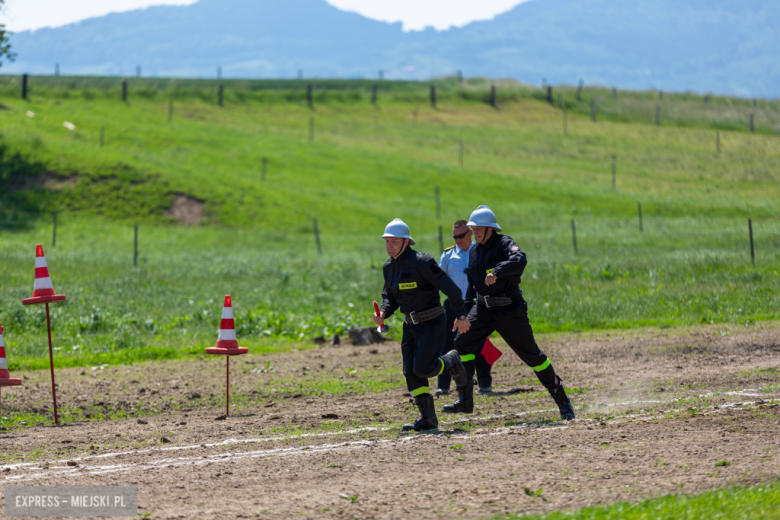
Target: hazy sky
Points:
(20, 15)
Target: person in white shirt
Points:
(454, 260)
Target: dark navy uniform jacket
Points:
(413, 281)
(500, 256)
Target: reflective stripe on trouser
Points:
(420, 350)
(483, 367)
(513, 325)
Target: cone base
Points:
(235, 351)
(44, 299)
(10, 382)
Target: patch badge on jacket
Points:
(515, 248)
(405, 286)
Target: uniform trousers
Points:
(420, 349)
(511, 322)
(484, 379)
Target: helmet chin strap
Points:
(486, 236)
(406, 243)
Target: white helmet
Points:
(483, 217)
(398, 229)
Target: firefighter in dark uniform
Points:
(495, 267)
(412, 282)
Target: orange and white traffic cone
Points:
(227, 345)
(5, 375)
(43, 291)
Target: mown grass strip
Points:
(754, 503)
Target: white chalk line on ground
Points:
(62, 471)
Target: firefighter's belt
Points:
(502, 300)
(415, 318)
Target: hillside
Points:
(705, 46)
(361, 167)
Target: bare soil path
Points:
(656, 411)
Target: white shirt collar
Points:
(465, 250)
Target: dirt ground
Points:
(657, 410)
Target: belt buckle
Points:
(487, 302)
(413, 315)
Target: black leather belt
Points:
(415, 318)
(502, 300)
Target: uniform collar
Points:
(408, 251)
(466, 250)
(491, 240)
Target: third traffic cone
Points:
(227, 344)
(5, 375)
(43, 291)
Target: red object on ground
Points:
(227, 345)
(490, 352)
(5, 375)
(43, 291)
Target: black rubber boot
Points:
(562, 400)
(454, 366)
(465, 402)
(427, 420)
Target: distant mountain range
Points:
(720, 46)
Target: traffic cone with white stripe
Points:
(43, 291)
(5, 375)
(227, 344)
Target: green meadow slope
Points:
(364, 166)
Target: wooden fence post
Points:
(752, 251)
(441, 240)
(433, 96)
(574, 236)
(135, 245)
(614, 172)
(373, 94)
(752, 127)
(493, 96)
(310, 95)
(550, 95)
(24, 86)
(124, 90)
(317, 237)
(639, 208)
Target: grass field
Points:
(365, 166)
